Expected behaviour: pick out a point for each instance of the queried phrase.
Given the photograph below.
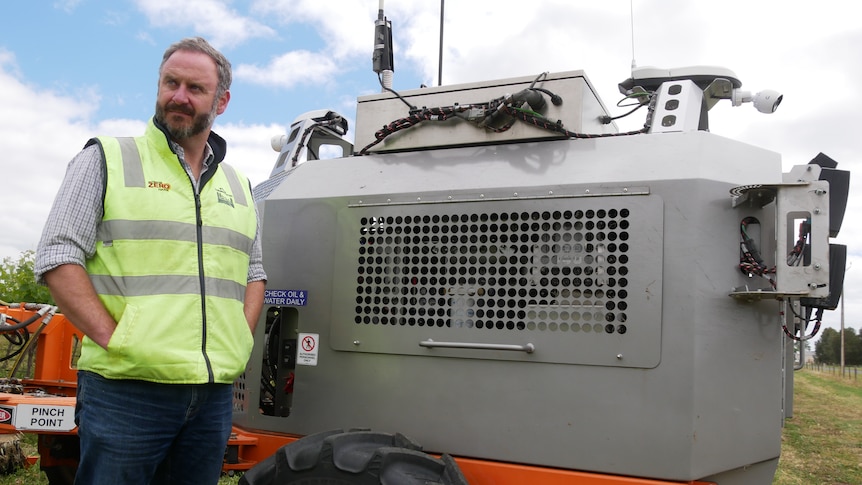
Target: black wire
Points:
(415, 117)
(380, 79)
(19, 325)
(750, 260)
(608, 119)
(543, 75)
(557, 127)
(818, 318)
(16, 335)
(494, 107)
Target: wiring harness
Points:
(795, 258)
(805, 319)
(751, 263)
(497, 115)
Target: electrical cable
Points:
(817, 322)
(607, 119)
(796, 254)
(18, 334)
(382, 85)
(19, 325)
(751, 262)
(484, 115)
(17, 337)
(543, 75)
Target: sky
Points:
(72, 69)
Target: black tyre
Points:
(59, 475)
(356, 457)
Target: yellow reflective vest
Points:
(171, 265)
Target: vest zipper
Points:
(200, 244)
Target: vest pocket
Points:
(125, 328)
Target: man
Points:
(152, 249)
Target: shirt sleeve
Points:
(255, 262)
(69, 236)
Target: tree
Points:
(18, 282)
(852, 347)
(828, 348)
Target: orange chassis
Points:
(44, 404)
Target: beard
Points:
(183, 131)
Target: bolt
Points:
(619, 356)
(356, 342)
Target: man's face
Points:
(186, 103)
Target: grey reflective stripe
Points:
(130, 286)
(133, 170)
(120, 229)
(235, 185)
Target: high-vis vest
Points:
(171, 267)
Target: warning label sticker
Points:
(285, 297)
(44, 417)
(307, 350)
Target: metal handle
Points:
(528, 348)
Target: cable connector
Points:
(474, 113)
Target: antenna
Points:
(440, 55)
(632, 19)
(382, 58)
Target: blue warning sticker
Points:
(285, 297)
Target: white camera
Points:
(765, 101)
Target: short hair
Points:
(199, 44)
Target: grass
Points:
(821, 444)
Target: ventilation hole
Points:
(498, 268)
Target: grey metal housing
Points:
(561, 303)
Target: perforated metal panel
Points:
(240, 393)
(577, 278)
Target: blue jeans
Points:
(142, 433)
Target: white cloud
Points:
(222, 26)
(249, 148)
(289, 70)
(67, 5)
(345, 26)
(56, 127)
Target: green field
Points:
(821, 444)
